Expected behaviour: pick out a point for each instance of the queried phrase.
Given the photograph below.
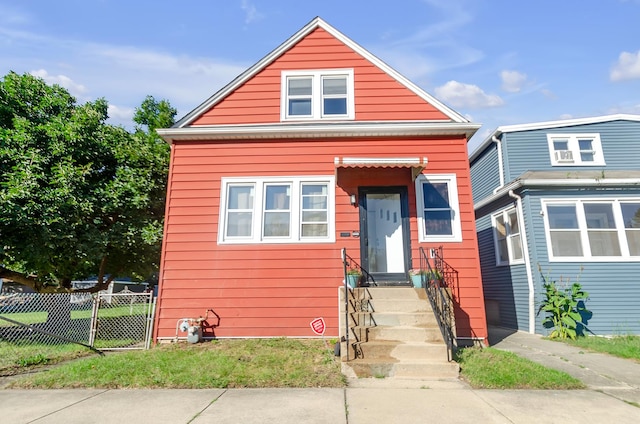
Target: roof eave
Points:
(549, 125)
(318, 130)
(556, 183)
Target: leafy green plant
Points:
(565, 309)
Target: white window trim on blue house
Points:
(454, 208)
(512, 240)
(317, 97)
(571, 156)
(580, 229)
(259, 209)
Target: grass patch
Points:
(219, 364)
(490, 368)
(16, 358)
(627, 346)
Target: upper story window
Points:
(322, 94)
(277, 210)
(598, 230)
(438, 211)
(506, 232)
(575, 149)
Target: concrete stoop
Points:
(400, 338)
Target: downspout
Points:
(500, 164)
(527, 261)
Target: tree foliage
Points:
(78, 197)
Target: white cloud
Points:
(566, 116)
(251, 13)
(512, 81)
(548, 94)
(121, 115)
(458, 94)
(627, 67)
(77, 90)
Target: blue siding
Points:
(485, 174)
(613, 287)
(506, 285)
(529, 151)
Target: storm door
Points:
(384, 232)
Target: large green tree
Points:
(78, 197)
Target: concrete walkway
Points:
(616, 377)
(613, 384)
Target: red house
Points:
(319, 146)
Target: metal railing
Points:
(438, 282)
(355, 277)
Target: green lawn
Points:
(218, 364)
(490, 368)
(625, 346)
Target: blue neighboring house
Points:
(560, 200)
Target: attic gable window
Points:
(575, 149)
(316, 95)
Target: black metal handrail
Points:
(363, 279)
(435, 281)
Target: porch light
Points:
(352, 199)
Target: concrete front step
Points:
(403, 351)
(415, 370)
(398, 305)
(405, 319)
(398, 336)
(405, 334)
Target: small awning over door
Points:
(415, 164)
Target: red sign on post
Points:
(318, 327)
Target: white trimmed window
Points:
(315, 95)
(277, 210)
(438, 210)
(575, 149)
(593, 229)
(506, 236)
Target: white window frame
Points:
(615, 203)
(295, 209)
(504, 214)
(456, 227)
(317, 97)
(573, 150)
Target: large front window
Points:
(437, 201)
(597, 230)
(319, 94)
(276, 210)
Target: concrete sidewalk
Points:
(613, 396)
(452, 403)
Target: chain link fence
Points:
(41, 328)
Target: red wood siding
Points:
(378, 97)
(261, 290)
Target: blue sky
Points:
(498, 62)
